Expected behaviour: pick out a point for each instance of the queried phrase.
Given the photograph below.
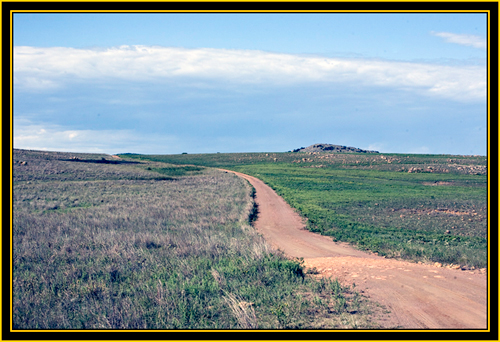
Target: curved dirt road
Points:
(418, 296)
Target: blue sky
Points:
(165, 83)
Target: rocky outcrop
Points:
(332, 148)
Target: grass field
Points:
(104, 243)
(428, 208)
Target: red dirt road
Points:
(418, 296)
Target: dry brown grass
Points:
(99, 245)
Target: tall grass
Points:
(98, 245)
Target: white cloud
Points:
(31, 136)
(462, 39)
(39, 68)
(378, 146)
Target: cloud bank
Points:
(50, 68)
(462, 39)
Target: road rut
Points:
(418, 296)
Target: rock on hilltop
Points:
(332, 148)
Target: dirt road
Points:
(418, 296)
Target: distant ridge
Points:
(332, 148)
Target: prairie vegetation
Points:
(101, 242)
(428, 208)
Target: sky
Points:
(169, 83)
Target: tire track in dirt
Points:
(418, 296)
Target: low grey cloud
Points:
(39, 69)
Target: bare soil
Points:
(416, 296)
